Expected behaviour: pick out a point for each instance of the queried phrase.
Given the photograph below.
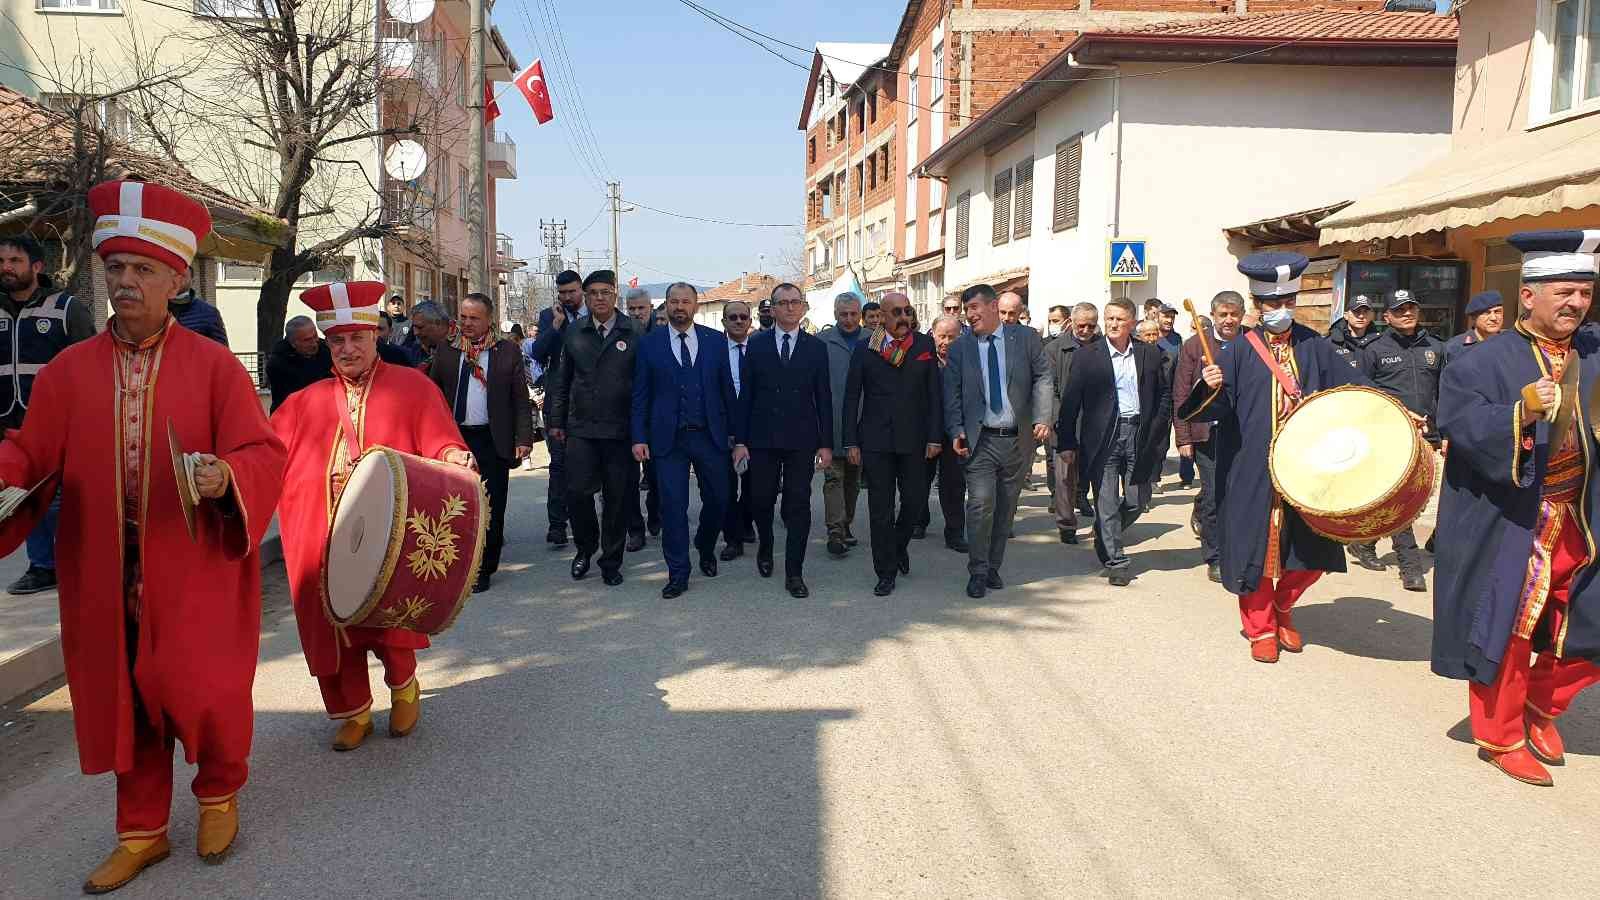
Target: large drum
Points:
(1351, 461)
(406, 543)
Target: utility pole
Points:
(477, 254)
(553, 234)
(615, 190)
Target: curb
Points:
(43, 661)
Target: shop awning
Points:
(1524, 174)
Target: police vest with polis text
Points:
(32, 338)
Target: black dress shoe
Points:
(958, 545)
(850, 539)
(764, 564)
(708, 565)
(482, 584)
(674, 589)
(836, 547)
(611, 578)
(556, 536)
(580, 566)
(904, 563)
(654, 527)
(992, 581)
(1214, 572)
(33, 581)
(750, 537)
(1120, 577)
(919, 532)
(796, 586)
(976, 587)
(1413, 582)
(885, 586)
(1068, 536)
(635, 542)
(732, 552)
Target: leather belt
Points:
(690, 428)
(1003, 432)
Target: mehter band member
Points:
(160, 629)
(1516, 607)
(1270, 557)
(387, 405)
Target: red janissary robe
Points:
(201, 624)
(403, 410)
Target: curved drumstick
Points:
(1205, 342)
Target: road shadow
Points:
(1364, 626)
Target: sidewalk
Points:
(30, 627)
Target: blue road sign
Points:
(1125, 261)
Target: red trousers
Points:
(348, 693)
(1546, 687)
(144, 793)
(1259, 609)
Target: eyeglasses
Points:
(737, 318)
(793, 301)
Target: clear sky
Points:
(687, 116)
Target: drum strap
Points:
(1285, 380)
(342, 397)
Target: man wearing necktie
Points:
(739, 524)
(997, 383)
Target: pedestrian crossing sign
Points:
(1125, 261)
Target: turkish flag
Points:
(530, 82)
(633, 282)
(491, 109)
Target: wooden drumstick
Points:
(1205, 342)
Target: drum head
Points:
(1342, 451)
(363, 529)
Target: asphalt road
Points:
(1061, 738)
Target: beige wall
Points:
(1493, 69)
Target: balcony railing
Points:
(501, 154)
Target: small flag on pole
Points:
(633, 282)
(491, 109)
(530, 82)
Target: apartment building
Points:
(424, 67)
(848, 119)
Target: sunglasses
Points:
(892, 311)
(737, 318)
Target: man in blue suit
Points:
(682, 414)
(546, 351)
(786, 426)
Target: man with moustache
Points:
(546, 351)
(786, 423)
(639, 308)
(590, 410)
(1197, 440)
(841, 481)
(1485, 318)
(946, 470)
(1079, 327)
(893, 425)
(642, 312)
(739, 527)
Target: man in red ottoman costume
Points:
(393, 406)
(160, 629)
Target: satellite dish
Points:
(405, 160)
(410, 12)
(398, 53)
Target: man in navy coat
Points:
(683, 414)
(546, 351)
(1515, 570)
(786, 424)
(1270, 556)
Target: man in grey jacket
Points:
(841, 482)
(997, 392)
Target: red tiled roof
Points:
(1315, 24)
(751, 288)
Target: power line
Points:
(709, 282)
(678, 215)
(568, 75)
(598, 213)
(576, 148)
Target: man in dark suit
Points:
(997, 388)
(786, 423)
(1063, 476)
(1114, 417)
(894, 424)
(947, 470)
(546, 351)
(487, 386)
(590, 404)
(683, 414)
(739, 525)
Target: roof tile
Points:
(1316, 23)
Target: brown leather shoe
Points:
(219, 825)
(351, 733)
(1545, 741)
(1288, 638)
(404, 714)
(123, 865)
(1264, 650)
(1519, 764)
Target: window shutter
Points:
(963, 207)
(1002, 208)
(1069, 168)
(1023, 214)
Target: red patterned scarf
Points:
(893, 352)
(471, 350)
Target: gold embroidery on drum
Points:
(436, 549)
(405, 614)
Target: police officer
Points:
(36, 323)
(1486, 315)
(764, 315)
(1352, 334)
(1405, 362)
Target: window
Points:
(422, 283)
(1569, 48)
(911, 197)
(911, 97)
(1069, 170)
(824, 206)
(1023, 205)
(1502, 270)
(811, 150)
(872, 106)
(466, 203)
(108, 113)
(90, 6)
(963, 209)
(1001, 231)
(233, 9)
(935, 225)
(339, 271)
(936, 89)
(935, 195)
(861, 183)
(872, 173)
(911, 239)
(838, 250)
(861, 117)
(238, 271)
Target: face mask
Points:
(1278, 320)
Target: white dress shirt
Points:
(605, 327)
(1125, 369)
(735, 360)
(794, 339)
(677, 344)
(477, 391)
(1006, 417)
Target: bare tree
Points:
(791, 257)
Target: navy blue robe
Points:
(1490, 500)
(1242, 409)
